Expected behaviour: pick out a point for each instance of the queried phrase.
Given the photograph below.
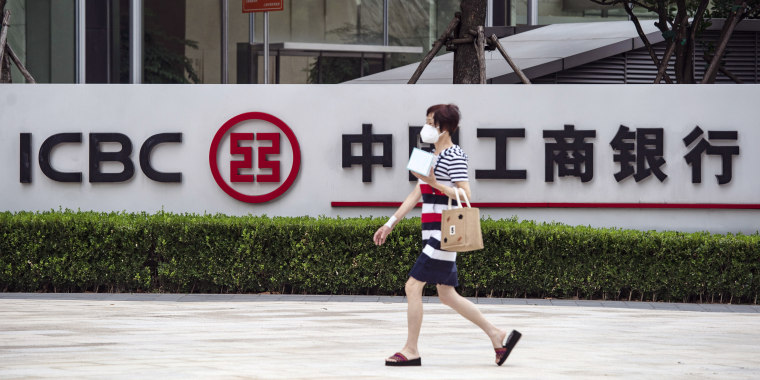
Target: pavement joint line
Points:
(180, 297)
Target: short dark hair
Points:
(447, 116)
(433, 108)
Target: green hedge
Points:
(119, 252)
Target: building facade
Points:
(207, 41)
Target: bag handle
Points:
(459, 202)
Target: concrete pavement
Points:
(347, 337)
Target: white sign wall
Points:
(254, 130)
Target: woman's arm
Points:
(411, 200)
(448, 190)
(465, 185)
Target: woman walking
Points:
(434, 265)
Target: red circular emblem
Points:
(215, 148)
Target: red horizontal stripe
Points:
(723, 206)
(431, 218)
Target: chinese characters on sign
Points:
(366, 159)
(694, 157)
(500, 137)
(647, 142)
(572, 154)
(639, 153)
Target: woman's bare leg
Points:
(413, 317)
(449, 297)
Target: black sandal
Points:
(503, 352)
(402, 361)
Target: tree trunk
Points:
(5, 61)
(725, 35)
(465, 56)
(6, 70)
(28, 76)
(697, 19)
(495, 42)
(665, 61)
(436, 47)
(480, 49)
(684, 52)
(689, 32)
(644, 38)
(662, 14)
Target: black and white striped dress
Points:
(434, 265)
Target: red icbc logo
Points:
(247, 155)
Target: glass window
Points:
(417, 23)
(341, 21)
(410, 24)
(16, 37)
(308, 21)
(203, 26)
(44, 39)
(370, 22)
(166, 48)
(182, 38)
(565, 11)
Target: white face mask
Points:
(429, 134)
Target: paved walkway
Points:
(345, 337)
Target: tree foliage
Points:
(680, 21)
(723, 8)
(164, 66)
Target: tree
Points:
(7, 55)
(733, 11)
(465, 35)
(680, 21)
(5, 60)
(466, 67)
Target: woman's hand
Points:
(381, 234)
(429, 179)
(411, 200)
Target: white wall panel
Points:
(320, 115)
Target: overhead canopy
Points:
(536, 52)
(306, 48)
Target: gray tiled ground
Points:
(617, 304)
(539, 302)
(514, 301)
(176, 336)
(640, 305)
(716, 308)
(564, 302)
(392, 299)
(690, 307)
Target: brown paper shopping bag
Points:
(460, 227)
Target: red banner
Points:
(262, 5)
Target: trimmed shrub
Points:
(64, 251)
